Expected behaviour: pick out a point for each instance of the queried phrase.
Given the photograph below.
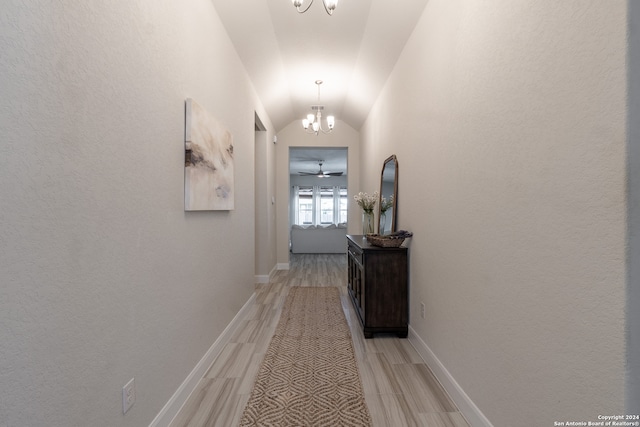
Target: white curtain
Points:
(336, 204)
(317, 194)
(294, 205)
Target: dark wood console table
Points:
(378, 286)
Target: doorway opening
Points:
(318, 199)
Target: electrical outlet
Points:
(128, 395)
(422, 310)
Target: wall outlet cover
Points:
(128, 395)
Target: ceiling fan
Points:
(321, 173)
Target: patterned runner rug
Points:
(309, 376)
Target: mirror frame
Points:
(394, 208)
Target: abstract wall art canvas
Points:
(208, 166)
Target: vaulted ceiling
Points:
(353, 51)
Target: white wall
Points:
(633, 285)
(104, 276)
(265, 217)
(509, 122)
(294, 136)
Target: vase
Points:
(383, 223)
(367, 222)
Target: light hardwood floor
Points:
(400, 389)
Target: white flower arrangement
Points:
(386, 204)
(367, 201)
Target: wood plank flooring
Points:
(400, 389)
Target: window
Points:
(305, 205)
(320, 205)
(326, 205)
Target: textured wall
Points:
(509, 122)
(265, 217)
(103, 275)
(633, 286)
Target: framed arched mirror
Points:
(388, 205)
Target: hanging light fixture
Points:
(329, 5)
(313, 122)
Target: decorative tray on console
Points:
(393, 240)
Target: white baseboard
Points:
(264, 278)
(469, 410)
(175, 403)
(283, 266)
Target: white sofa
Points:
(313, 239)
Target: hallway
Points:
(516, 126)
(400, 389)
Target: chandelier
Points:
(313, 122)
(329, 5)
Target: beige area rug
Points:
(309, 376)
